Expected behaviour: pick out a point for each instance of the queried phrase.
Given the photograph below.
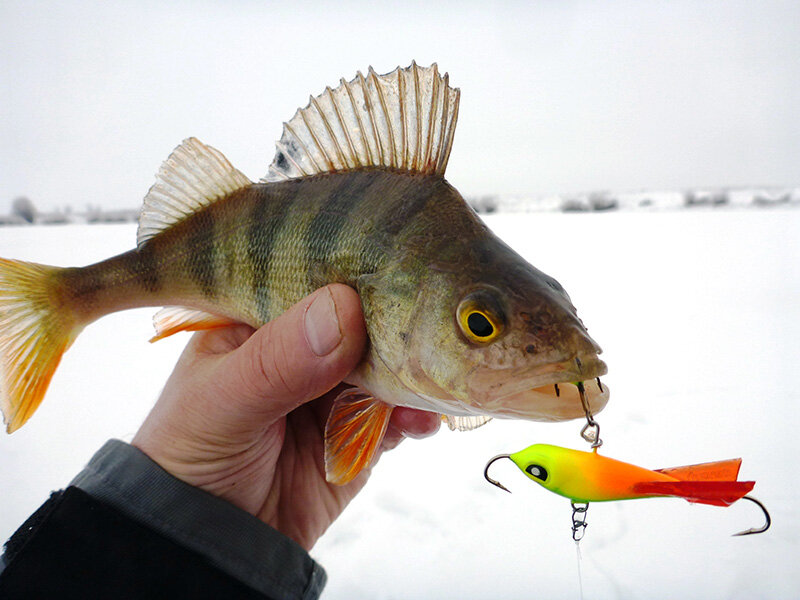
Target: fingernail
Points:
(322, 324)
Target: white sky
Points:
(556, 96)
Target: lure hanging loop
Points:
(590, 431)
(486, 472)
(579, 510)
(764, 527)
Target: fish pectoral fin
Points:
(354, 431)
(172, 319)
(721, 470)
(465, 423)
(716, 493)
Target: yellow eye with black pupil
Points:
(479, 325)
(480, 321)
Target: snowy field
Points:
(699, 316)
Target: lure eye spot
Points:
(537, 472)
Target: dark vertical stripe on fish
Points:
(266, 221)
(145, 269)
(414, 200)
(202, 253)
(334, 217)
(83, 283)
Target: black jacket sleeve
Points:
(125, 528)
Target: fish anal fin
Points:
(401, 120)
(722, 470)
(192, 177)
(353, 433)
(173, 319)
(465, 423)
(716, 493)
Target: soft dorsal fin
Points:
(403, 120)
(193, 176)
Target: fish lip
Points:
(535, 396)
(579, 368)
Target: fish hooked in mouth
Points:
(554, 392)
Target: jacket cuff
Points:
(233, 540)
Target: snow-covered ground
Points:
(699, 315)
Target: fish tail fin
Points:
(35, 331)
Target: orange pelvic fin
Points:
(36, 328)
(721, 470)
(353, 433)
(716, 493)
(173, 319)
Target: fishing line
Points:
(580, 572)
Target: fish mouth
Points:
(551, 393)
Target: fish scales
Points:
(458, 323)
(301, 234)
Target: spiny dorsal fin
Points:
(194, 176)
(404, 120)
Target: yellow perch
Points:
(458, 322)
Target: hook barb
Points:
(764, 527)
(486, 472)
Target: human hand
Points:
(243, 414)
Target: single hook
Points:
(494, 481)
(590, 431)
(764, 527)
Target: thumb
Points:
(299, 356)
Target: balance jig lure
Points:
(585, 477)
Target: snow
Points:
(698, 313)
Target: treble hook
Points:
(764, 527)
(494, 481)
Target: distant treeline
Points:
(24, 212)
(654, 200)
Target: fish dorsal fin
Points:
(194, 176)
(402, 120)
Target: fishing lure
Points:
(585, 477)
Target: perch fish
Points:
(458, 323)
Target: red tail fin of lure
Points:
(716, 493)
(721, 470)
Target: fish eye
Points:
(479, 324)
(479, 319)
(537, 471)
